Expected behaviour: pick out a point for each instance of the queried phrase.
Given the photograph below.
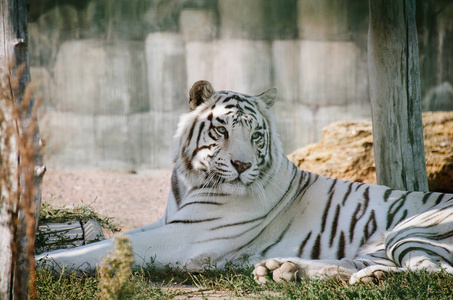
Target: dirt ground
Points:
(133, 200)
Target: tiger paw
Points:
(278, 271)
(371, 274)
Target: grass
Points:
(237, 283)
(117, 281)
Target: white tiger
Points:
(236, 198)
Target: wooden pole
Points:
(22, 170)
(395, 95)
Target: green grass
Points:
(166, 282)
(238, 283)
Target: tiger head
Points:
(227, 141)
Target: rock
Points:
(346, 152)
(438, 133)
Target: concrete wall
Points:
(115, 75)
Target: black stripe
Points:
(341, 246)
(201, 202)
(439, 199)
(387, 194)
(250, 103)
(425, 197)
(328, 204)
(358, 186)
(221, 120)
(370, 226)
(200, 131)
(346, 196)
(302, 246)
(193, 221)
(251, 110)
(211, 194)
(195, 152)
(238, 223)
(316, 251)
(333, 231)
(215, 138)
(175, 188)
(353, 223)
(187, 161)
(192, 128)
(394, 209)
(355, 216)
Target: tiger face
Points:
(225, 142)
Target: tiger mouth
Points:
(218, 180)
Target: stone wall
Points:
(115, 75)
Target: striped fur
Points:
(236, 198)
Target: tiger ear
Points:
(200, 92)
(269, 97)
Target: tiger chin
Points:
(235, 196)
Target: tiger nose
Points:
(241, 166)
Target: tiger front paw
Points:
(278, 271)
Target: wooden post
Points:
(395, 95)
(21, 164)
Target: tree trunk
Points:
(395, 95)
(21, 168)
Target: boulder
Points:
(346, 152)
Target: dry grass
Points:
(116, 270)
(18, 154)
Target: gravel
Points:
(133, 200)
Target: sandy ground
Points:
(133, 200)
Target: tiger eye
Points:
(256, 135)
(221, 129)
